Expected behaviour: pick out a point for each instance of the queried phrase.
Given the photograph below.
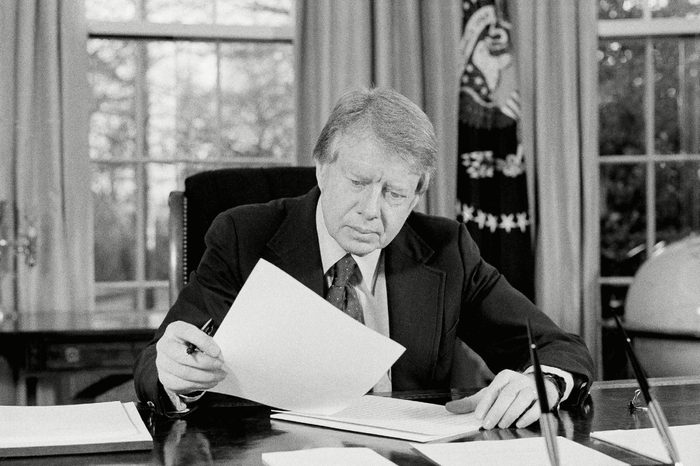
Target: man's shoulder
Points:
(435, 230)
(432, 223)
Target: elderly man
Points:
(355, 240)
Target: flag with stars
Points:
(491, 182)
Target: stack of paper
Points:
(518, 452)
(71, 429)
(392, 417)
(325, 456)
(648, 443)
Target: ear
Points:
(321, 174)
(414, 203)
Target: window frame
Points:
(149, 31)
(646, 28)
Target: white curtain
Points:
(556, 42)
(44, 163)
(409, 45)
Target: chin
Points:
(360, 248)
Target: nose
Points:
(370, 202)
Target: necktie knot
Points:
(344, 270)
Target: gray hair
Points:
(391, 119)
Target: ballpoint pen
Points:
(655, 413)
(548, 423)
(206, 328)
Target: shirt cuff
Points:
(180, 402)
(568, 378)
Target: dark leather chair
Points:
(211, 192)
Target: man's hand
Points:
(511, 397)
(180, 372)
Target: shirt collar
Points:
(332, 252)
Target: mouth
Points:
(363, 231)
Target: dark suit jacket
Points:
(438, 287)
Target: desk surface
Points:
(226, 432)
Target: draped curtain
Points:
(44, 163)
(409, 45)
(556, 42)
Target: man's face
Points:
(366, 195)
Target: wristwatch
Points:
(559, 382)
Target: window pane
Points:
(112, 71)
(621, 93)
(677, 90)
(257, 101)
(689, 95)
(620, 9)
(254, 12)
(182, 111)
(115, 299)
(689, 9)
(162, 178)
(158, 299)
(110, 10)
(114, 191)
(677, 200)
(180, 11)
(623, 219)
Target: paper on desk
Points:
(356, 456)
(648, 443)
(286, 347)
(517, 452)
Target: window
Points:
(179, 86)
(649, 111)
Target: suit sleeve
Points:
(209, 294)
(493, 322)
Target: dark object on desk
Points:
(655, 413)
(209, 193)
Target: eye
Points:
(395, 197)
(356, 182)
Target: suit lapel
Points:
(415, 294)
(294, 248)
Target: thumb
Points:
(466, 404)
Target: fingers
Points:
(181, 372)
(184, 333)
(530, 416)
(510, 398)
(466, 404)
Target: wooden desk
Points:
(226, 432)
(48, 343)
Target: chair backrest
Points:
(211, 192)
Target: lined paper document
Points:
(291, 349)
(356, 456)
(393, 417)
(517, 452)
(79, 428)
(648, 443)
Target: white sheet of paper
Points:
(517, 452)
(648, 443)
(356, 456)
(286, 347)
(34, 426)
(394, 417)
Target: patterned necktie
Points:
(341, 294)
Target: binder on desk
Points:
(72, 429)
